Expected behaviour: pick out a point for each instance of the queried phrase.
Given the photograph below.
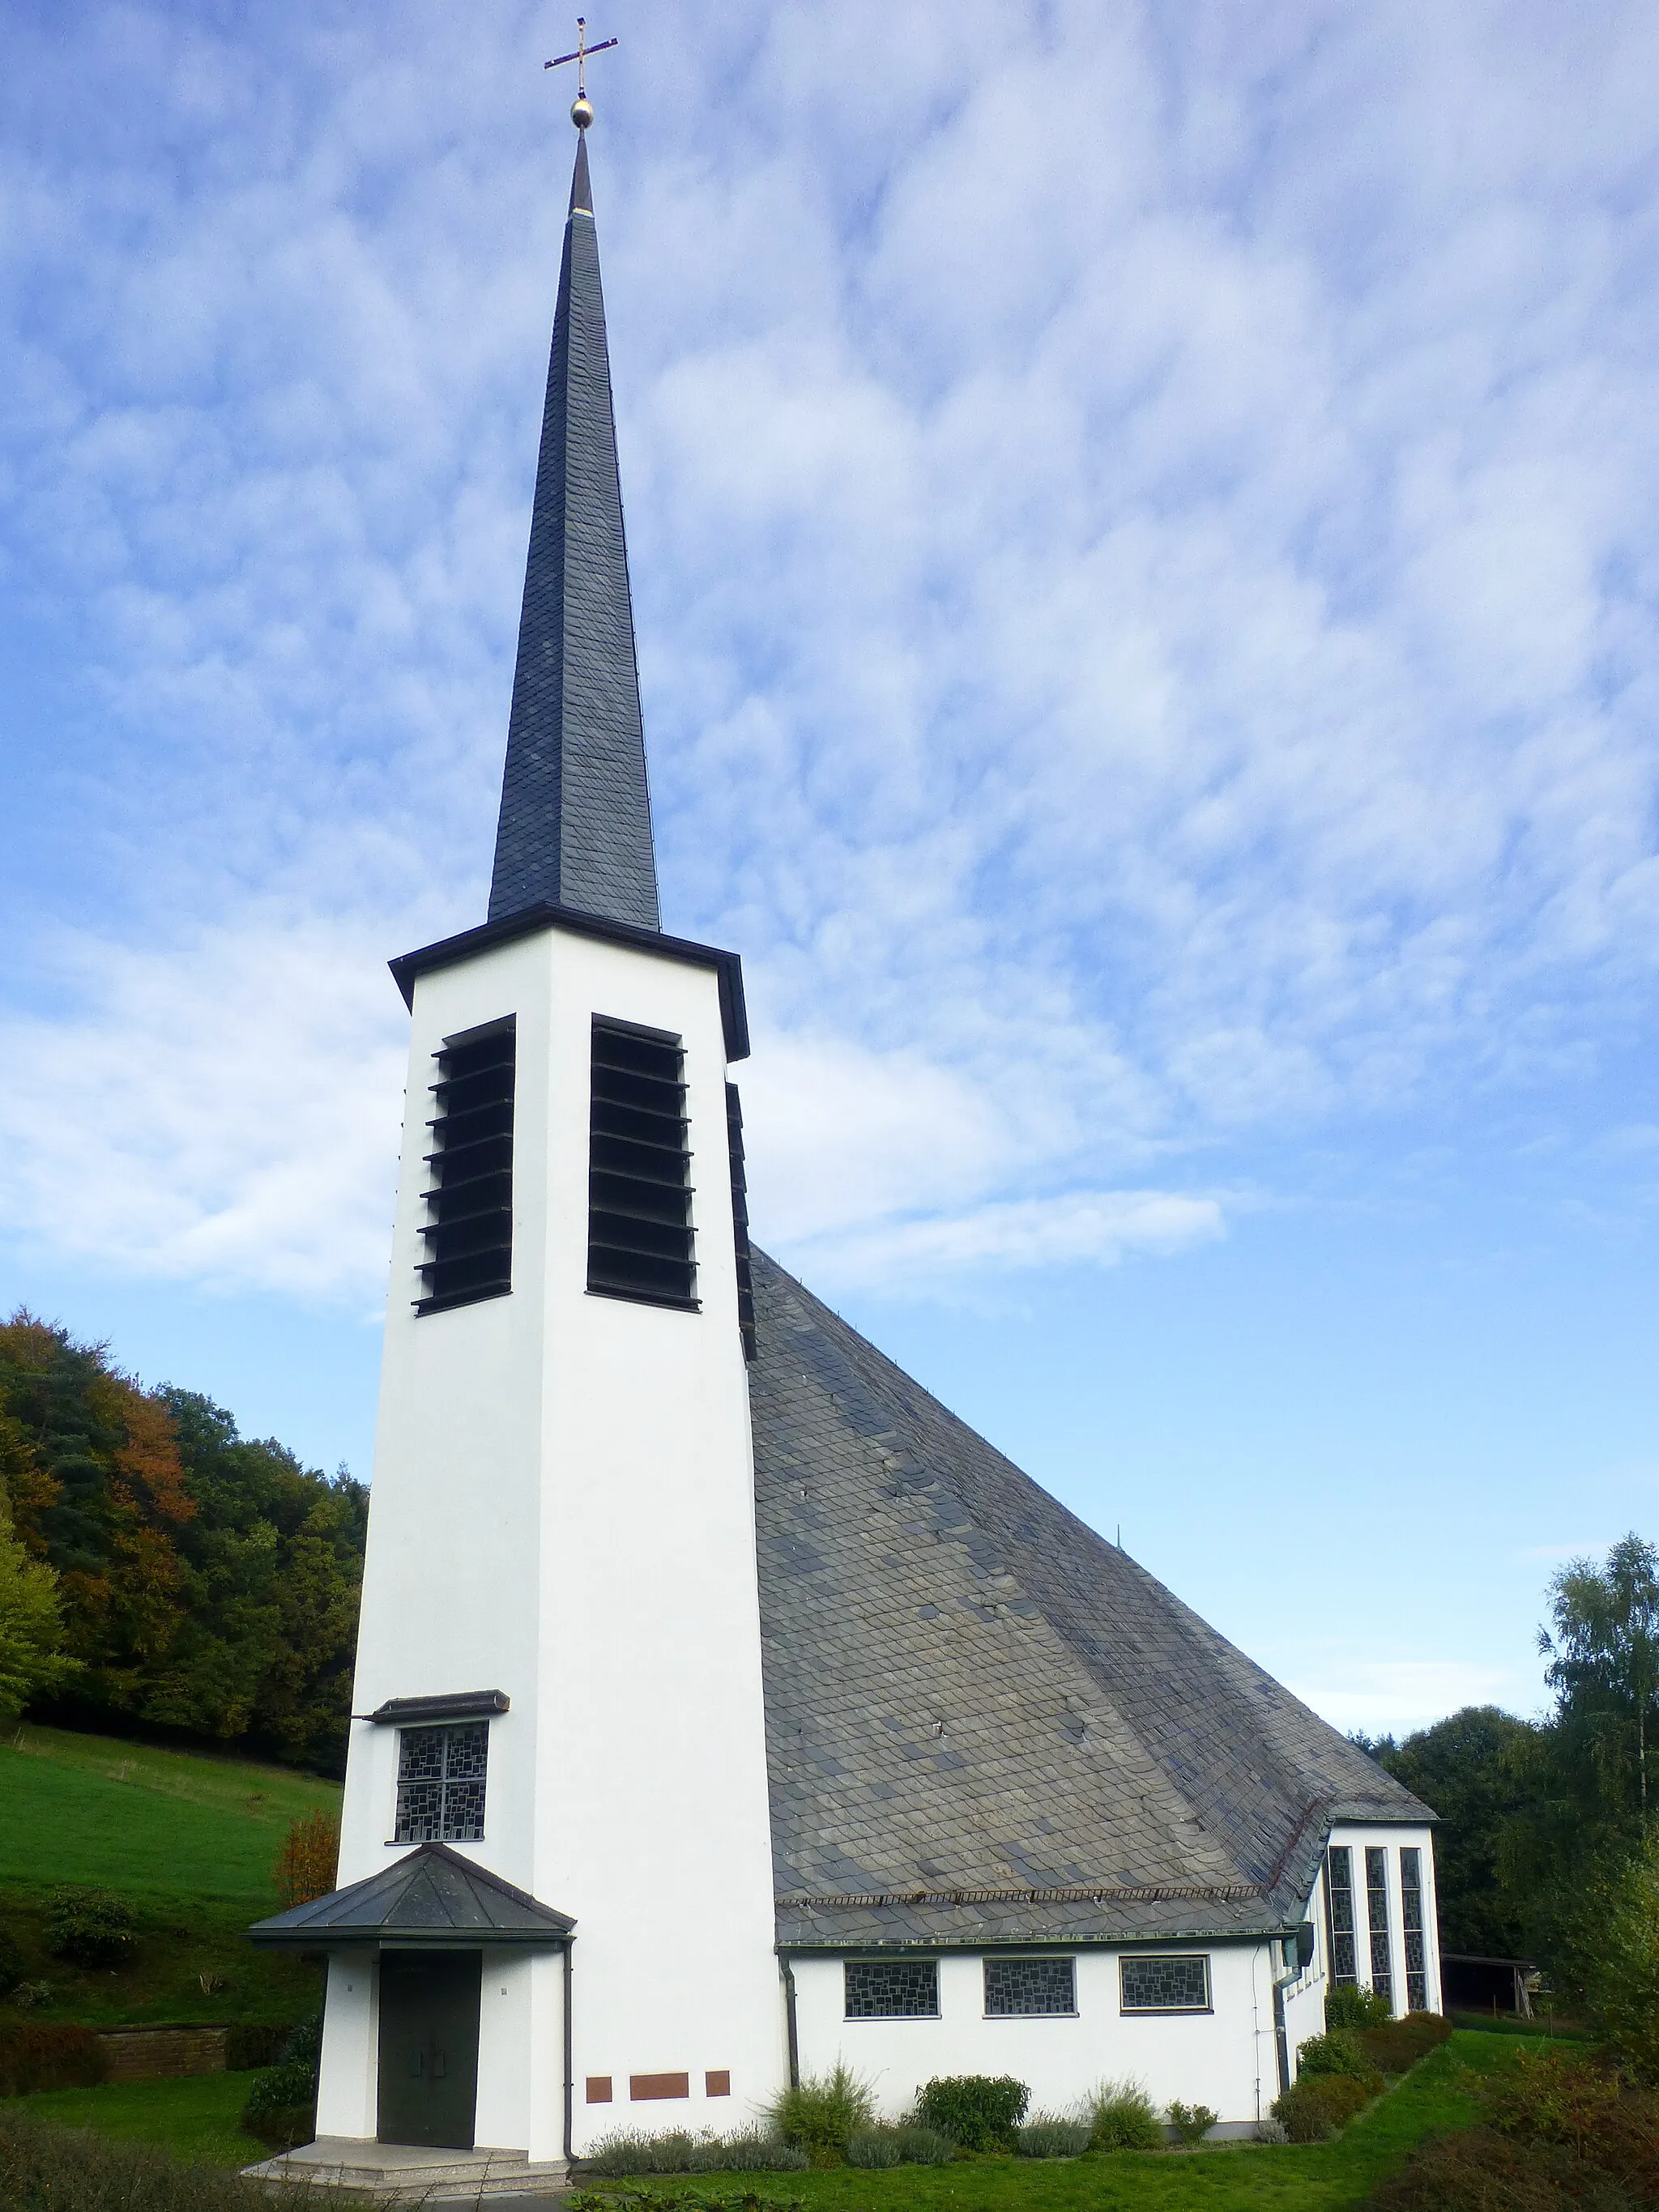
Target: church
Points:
(724, 1707)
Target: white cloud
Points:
(1393, 1695)
(1100, 1227)
(1146, 622)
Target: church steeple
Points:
(576, 819)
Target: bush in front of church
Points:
(1319, 2105)
(1119, 2116)
(822, 2113)
(1045, 2136)
(980, 2112)
(1348, 2005)
(630, 2151)
(281, 2105)
(904, 2145)
(1337, 2053)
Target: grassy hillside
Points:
(191, 1839)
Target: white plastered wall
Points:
(1225, 2058)
(563, 1509)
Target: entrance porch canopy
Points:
(432, 1897)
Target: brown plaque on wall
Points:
(717, 2085)
(643, 2086)
(598, 2088)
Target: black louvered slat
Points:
(469, 1237)
(740, 1222)
(640, 1239)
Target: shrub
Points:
(11, 1961)
(281, 2105)
(1119, 2116)
(874, 2146)
(1351, 2007)
(629, 2152)
(978, 2110)
(1046, 2137)
(250, 2044)
(28, 1995)
(1396, 2048)
(1478, 2171)
(308, 1862)
(1314, 2109)
(93, 1927)
(822, 2112)
(1338, 2053)
(1553, 2097)
(50, 2169)
(50, 2057)
(1191, 2122)
(1271, 2130)
(904, 2145)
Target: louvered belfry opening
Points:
(740, 1222)
(639, 1199)
(469, 1237)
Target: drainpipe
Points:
(1290, 1971)
(789, 2018)
(570, 2066)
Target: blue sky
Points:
(1143, 535)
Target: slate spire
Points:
(575, 820)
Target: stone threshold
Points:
(413, 2169)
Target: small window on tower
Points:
(469, 1236)
(639, 1197)
(440, 1783)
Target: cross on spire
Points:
(581, 108)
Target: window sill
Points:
(1073, 2015)
(1166, 2012)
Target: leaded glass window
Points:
(1176, 1984)
(1339, 1913)
(1029, 1986)
(892, 1988)
(1376, 1920)
(1411, 1917)
(440, 1783)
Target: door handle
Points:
(419, 2067)
(439, 2069)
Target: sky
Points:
(1144, 545)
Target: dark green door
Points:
(428, 2046)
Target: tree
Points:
(1604, 1669)
(32, 1657)
(1472, 1769)
(308, 1863)
(1610, 1957)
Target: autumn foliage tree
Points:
(206, 1582)
(308, 1862)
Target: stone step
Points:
(413, 2169)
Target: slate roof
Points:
(433, 1894)
(986, 1723)
(575, 820)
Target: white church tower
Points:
(558, 1679)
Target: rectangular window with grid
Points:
(639, 1184)
(1339, 1913)
(1411, 1923)
(440, 1783)
(892, 1988)
(469, 1232)
(1030, 1988)
(1376, 1920)
(1171, 1984)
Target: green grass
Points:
(189, 1838)
(1242, 2178)
(88, 1808)
(197, 2120)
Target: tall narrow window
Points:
(440, 1783)
(1376, 1919)
(639, 1189)
(1411, 1917)
(740, 1222)
(469, 1236)
(1338, 1912)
